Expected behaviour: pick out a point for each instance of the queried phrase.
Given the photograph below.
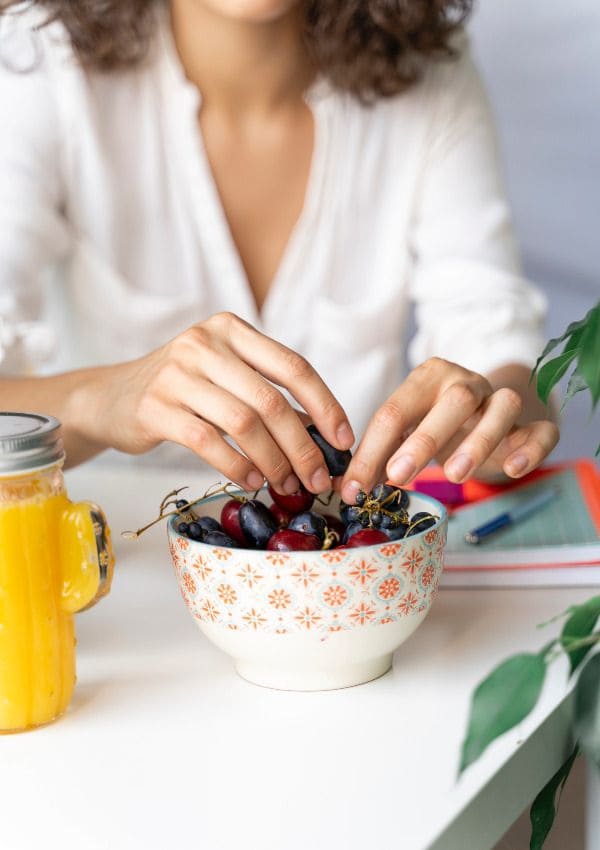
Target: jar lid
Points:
(29, 441)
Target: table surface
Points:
(164, 746)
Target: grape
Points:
(309, 523)
(286, 540)
(257, 522)
(337, 461)
(293, 503)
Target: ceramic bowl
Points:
(311, 620)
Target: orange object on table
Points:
(433, 482)
(55, 559)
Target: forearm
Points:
(71, 397)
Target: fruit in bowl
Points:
(297, 616)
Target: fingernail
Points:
(402, 468)
(291, 484)
(460, 466)
(345, 435)
(321, 480)
(255, 480)
(518, 464)
(349, 491)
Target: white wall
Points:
(541, 63)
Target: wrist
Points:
(85, 423)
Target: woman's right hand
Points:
(213, 379)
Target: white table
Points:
(165, 747)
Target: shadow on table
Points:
(108, 693)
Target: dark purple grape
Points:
(181, 503)
(209, 523)
(389, 521)
(396, 533)
(351, 528)
(420, 522)
(361, 498)
(257, 522)
(348, 513)
(353, 513)
(376, 519)
(183, 528)
(337, 461)
(309, 523)
(219, 538)
(399, 502)
(195, 531)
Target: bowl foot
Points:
(314, 680)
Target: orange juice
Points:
(55, 559)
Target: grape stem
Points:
(331, 537)
(170, 499)
(421, 519)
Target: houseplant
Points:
(510, 692)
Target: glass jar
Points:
(55, 559)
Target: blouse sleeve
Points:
(33, 231)
(472, 304)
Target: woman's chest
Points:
(260, 170)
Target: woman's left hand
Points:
(450, 414)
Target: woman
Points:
(258, 187)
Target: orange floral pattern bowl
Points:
(311, 620)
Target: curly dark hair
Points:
(372, 48)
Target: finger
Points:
(500, 412)
(279, 419)
(194, 433)
(218, 406)
(398, 416)
(530, 445)
(288, 369)
(384, 433)
(456, 404)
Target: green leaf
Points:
(551, 344)
(580, 624)
(501, 701)
(577, 384)
(586, 718)
(551, 373)
(574, 342)
(589, 354)
(543, 808)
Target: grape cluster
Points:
(289, 524)
(385, 508)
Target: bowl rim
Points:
(172, 531)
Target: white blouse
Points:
(107, 174)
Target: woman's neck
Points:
(240, 65)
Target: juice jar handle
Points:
(87, 558)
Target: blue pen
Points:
(516, 514)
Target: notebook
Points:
(558, 545)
